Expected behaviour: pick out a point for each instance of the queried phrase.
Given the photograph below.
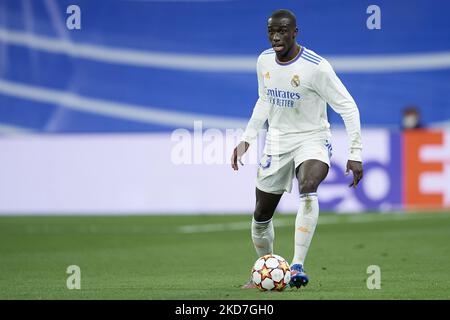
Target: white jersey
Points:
(293, 97)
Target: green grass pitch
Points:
(209, 257)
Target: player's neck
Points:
(291, 54)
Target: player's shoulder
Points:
(266, 55)
(314, 60)
(267, 52)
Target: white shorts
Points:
(276, 172)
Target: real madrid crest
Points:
(295, 82)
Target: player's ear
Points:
(295, 32)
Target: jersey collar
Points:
(290, 61)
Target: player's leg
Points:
(309, 174)
(275, 175)
(263, 232)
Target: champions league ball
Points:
(271, 273)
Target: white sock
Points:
(263, 234)
(305, 224)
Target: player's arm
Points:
(330, 87)
(256, 122)
(259, 116)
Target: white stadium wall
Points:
(175, 174)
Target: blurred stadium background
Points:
(87, 116)
(132, 114)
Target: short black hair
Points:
(284, 13)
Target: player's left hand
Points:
(357, 169)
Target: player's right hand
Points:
(238, 152)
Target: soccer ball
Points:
(271, 273)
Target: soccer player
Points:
(294, 85)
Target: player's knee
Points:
(262, 214)
(308, 185)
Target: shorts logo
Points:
(295, 82)
(265, 161)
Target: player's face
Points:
(281, 34)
